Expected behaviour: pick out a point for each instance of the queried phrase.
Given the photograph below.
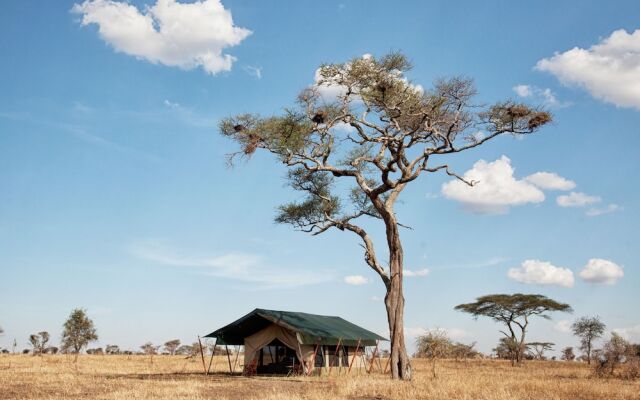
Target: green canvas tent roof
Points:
(309, 328)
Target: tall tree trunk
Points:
(394, 302)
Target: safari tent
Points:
(282, 342)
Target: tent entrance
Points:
(276, 358)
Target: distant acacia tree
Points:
(537, 349)
(38, 342)
(588, 329)
(506, 349)
(514, 312)
(149, 348)
(615, 352)
(379, 134)
(78, 331)
(185, 350)
(567, 354)
(112, 349)
(171, 346)
(434, 345)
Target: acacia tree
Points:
(567, 354)
(78, 331)
(39, 342)
(588, 329)
(171, 346)
(514, 311)
(379, 133)
(537, 349)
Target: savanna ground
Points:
(173, 377)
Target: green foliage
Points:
(588, 329)
(171, 346)
(321, 137)
(78, 331)
(507, 348)
(514, 312)
(505, 307)
(568, 354)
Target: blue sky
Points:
(115, 197)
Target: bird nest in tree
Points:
(539, 119)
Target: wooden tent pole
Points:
(213, 351)
(354, 357)
(313, 360)
(235, 362)
(373, 357)
(228, 359)
(387, 365)
(335, 355)
(204, 367)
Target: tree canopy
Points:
(588, 329)
(366, 122)
(78, 331)
(514, 310)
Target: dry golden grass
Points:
(135, 377)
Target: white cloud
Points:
(171, 104)
(355, 280)
(256, 72)
(523, 90)
(237, 266)
(609, 70)
(420, 272)
(631, 333)
(495, 189)
(185, 35)
(550, 181)
(545, 96)
(563, 326)
(376, 298)
(601, 271)
(576, 199)
(594, 212)
(541, 273)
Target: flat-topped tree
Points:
(514, 310)
(380, 132)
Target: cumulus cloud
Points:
(541, 273)
(594, 212)
(355, 280)
(185, 35)
(495, 189)
(609, 70)
(420, 272)
(602, 272)
(577, 199)
(550, 181)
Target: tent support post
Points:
(213, 351)
(235, 362)
(335, 355)
(313, 360)
(354, 357)
(226, 347)
(387, 365)
(373, 357)
(204, 367)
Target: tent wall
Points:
(253, 344)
